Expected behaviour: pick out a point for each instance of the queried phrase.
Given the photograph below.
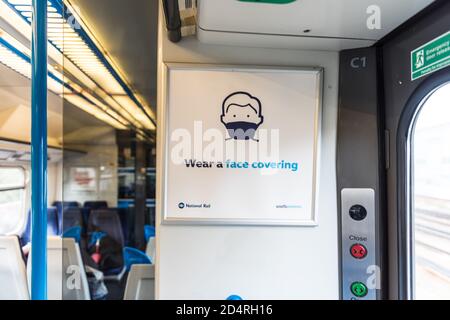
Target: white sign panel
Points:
(241, 145)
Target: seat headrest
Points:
(95, 204)
(65, 204)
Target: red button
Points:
(358, 251)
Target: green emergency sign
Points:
(431, 57)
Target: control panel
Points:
(359, 269)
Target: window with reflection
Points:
(12, 200)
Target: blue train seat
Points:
(149, 232)
(52, 222)
(61, 206)
(52, 225)
(71, 218)
(66, 204)
(73, 233)
(133, 256)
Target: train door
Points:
(416, 89)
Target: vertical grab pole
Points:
(39, 152)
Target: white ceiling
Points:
(333, 24)
(127, 30)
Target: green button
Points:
(359, 289)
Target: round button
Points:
(358, 212)
(359, 289)
(358, 251)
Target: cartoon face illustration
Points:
(241, 115)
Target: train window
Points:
(431, 218)
(12, 199)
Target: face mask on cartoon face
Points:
(241, 116)
(241, 130)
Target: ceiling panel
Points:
(311, 24)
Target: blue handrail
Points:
(39, 151)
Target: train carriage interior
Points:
(224, 150)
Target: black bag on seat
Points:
(108, 251)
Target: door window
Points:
(431, 190)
